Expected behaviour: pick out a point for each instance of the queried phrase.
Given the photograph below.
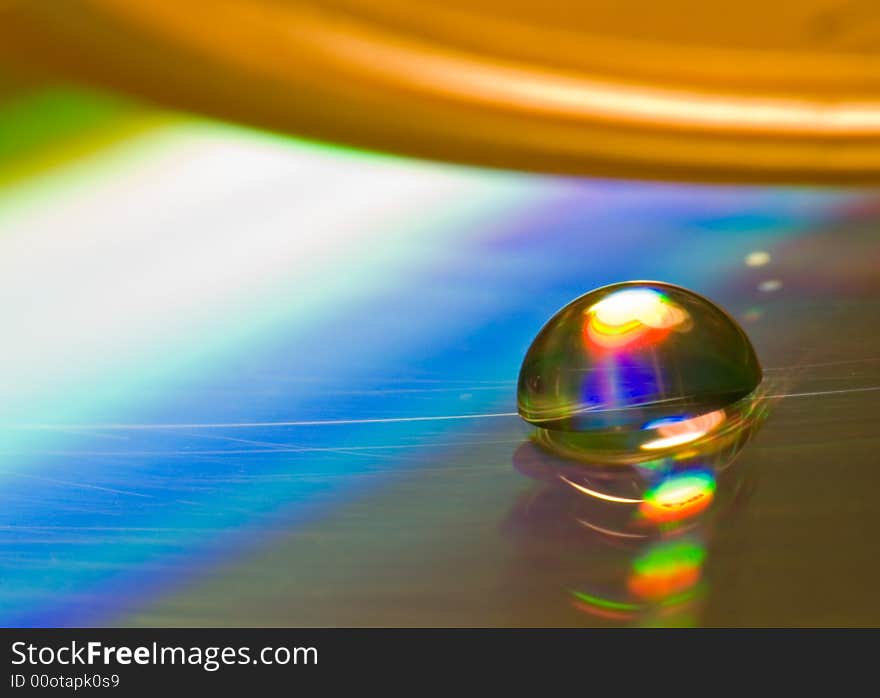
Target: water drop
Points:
(640, 366)
(644, 393)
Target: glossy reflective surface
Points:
(250, 381)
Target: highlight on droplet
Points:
(624, 317)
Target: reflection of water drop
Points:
(637, 492)
(679, 496)
(667, 570)
(634, 356)
(628, 543)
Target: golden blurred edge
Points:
(302, 70)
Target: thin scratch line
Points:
(827, 392)
(291, 448)
(823, 363)
(348, 450)
(332, 422)
(80, 485)
(246, 425)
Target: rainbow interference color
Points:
(668, 570)
(663, 581)
(678, 497)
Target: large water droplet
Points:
(644, 364)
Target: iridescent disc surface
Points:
(636, 355)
